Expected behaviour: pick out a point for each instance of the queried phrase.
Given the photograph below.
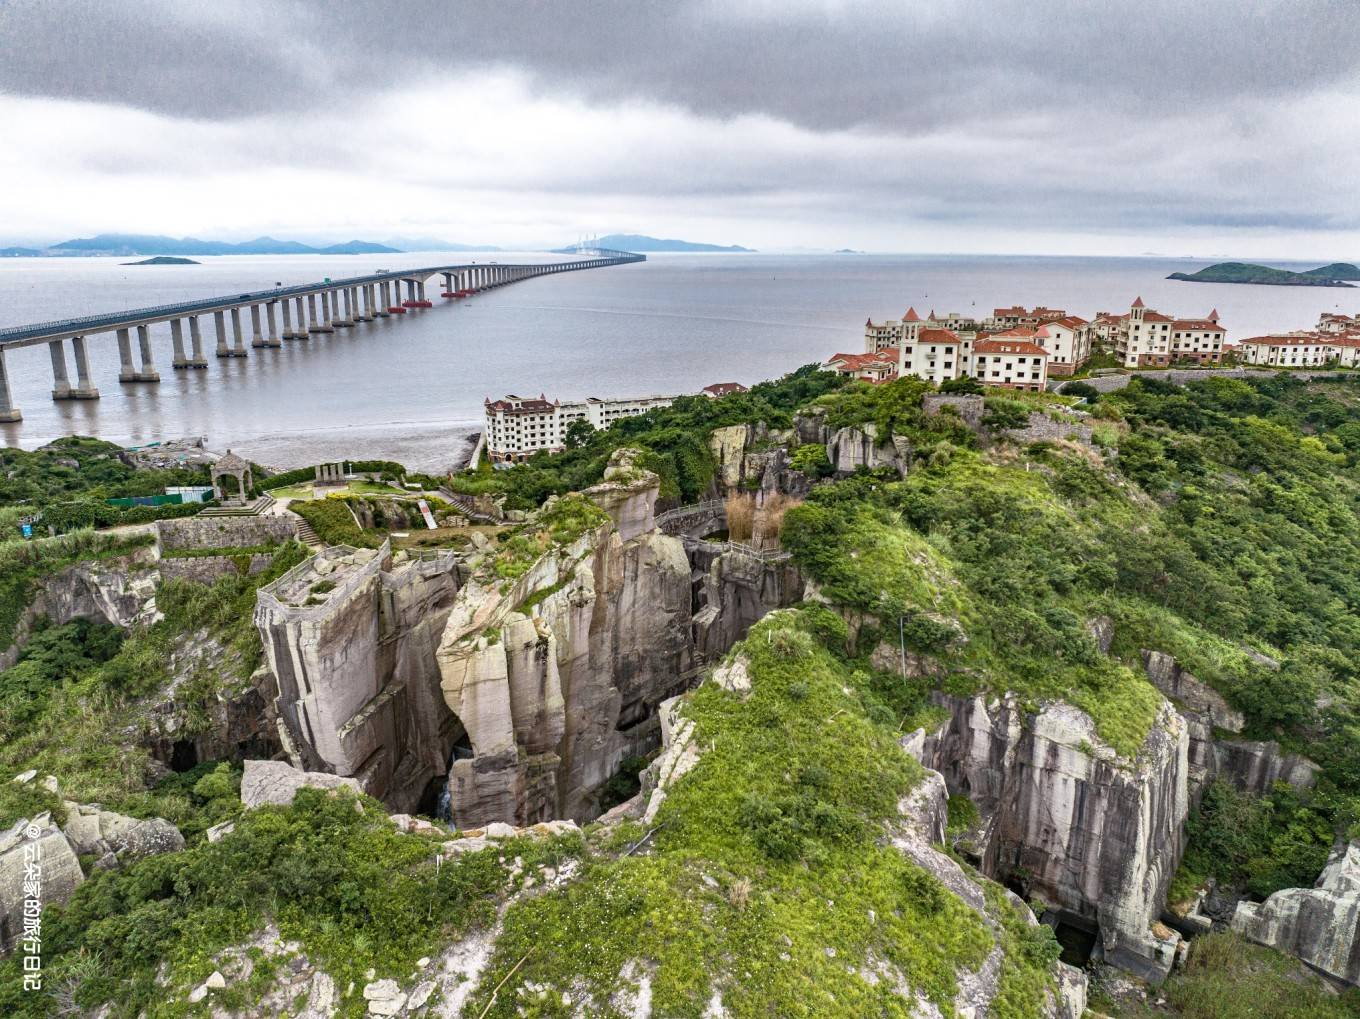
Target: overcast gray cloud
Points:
(810, 119)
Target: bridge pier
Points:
(256, 336)
(148, 371)
(85, 389)
(327, 312)
(287, 319)
(8, 412)
(272, 339)
(238, 347)
(178, 361)
(61, 385)
(196, 358)
(300, 333)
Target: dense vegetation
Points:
(1225, 528)
(86, 723)
(65, 485)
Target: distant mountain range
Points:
(640, 243)
(1332, 275)
(154, 244)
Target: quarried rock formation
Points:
(278, 782)
(349, 636)
(1320, 925)
(558, 676)
(1067, 821)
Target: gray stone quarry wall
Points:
(357, 692)
(968, 406)
(224, 532)
(1096, 837)
(206, 569)
(733, 590)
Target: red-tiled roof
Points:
(1155, 316)
(911, 316)
(1014, 333)
(939, 335)
(992, 345)
(1202, 324)
(1138, 303)
(724, 388)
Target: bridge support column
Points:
(345, 318)
(148, 371)
(85, 389)
(178, 361)
(196, 358)
(300, 333)
(272, 339)
(287, 319)
(61, 385)
(375, 295)
(367, 297)
(8, 412)
(126, 371)
(256, 334)
(238, 347)
(219, 323)
(311, 312)
(327, 312)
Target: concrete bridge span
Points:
(301, 311)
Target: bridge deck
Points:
(43, 332)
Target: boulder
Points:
(384, 997)
(1320, 925)
(36, 841)
(94, 831)
(278, 782)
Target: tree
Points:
(579, 433)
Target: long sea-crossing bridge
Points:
(305, 310)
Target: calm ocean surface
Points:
(411, 387)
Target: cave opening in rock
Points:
(183, 755)
(1078, 941)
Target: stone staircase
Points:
(307, 535)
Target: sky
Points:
(1216, 128)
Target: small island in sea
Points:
(1333, 275)
(165, 260)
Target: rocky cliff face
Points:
(559, 676)
(118, 591)
(1068, 822)
(349, 638)
(1249, 765)
(1320, 925)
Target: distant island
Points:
(155, 244)
(847, 251)
(641, 243)
(165, 260)
(1244, 272)
(15, 252)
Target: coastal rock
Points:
(733, 590)
(278, 782)
(1255, 767)
(1320, 925)
(1096, 837)
(33, 841)
(1183, 688)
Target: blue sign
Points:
(28, 530)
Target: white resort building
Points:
(517, 427)
(1335, 342)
